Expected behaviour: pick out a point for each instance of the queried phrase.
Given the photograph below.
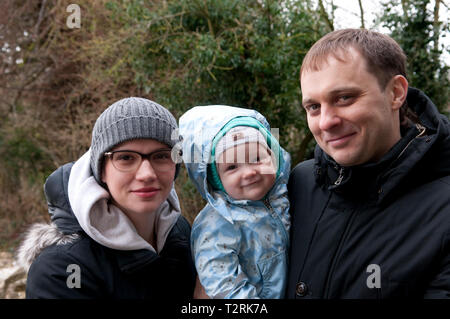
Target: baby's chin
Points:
(257, 195)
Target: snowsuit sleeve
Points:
(215, 245)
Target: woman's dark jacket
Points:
(379, 230)
(103, 272)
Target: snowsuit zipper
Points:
(274, 214)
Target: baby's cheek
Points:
(268, 170)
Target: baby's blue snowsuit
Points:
(239, 246)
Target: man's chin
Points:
(345, 159)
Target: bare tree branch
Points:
(40, 18)
(24, 85)
(324, 14)
(362, 14)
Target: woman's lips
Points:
(341, 140)
(146, 192)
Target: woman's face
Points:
(141, 190)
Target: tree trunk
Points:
(436, 25)
(324, 15)
(301, 155)
(405, 5)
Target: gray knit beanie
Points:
(128, 119)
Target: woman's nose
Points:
(145, 171)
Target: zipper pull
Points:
(267, 204)
(340, 177)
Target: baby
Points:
(240, 238)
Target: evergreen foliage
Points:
(181, 53)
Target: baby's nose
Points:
(249, 171)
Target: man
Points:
(371, 212)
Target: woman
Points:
(116, 229)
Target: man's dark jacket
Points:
(384, 230)
(104, 272)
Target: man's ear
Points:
(399, 90)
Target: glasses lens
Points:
(126, 161)
(162, 160)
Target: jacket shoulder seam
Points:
(445, 180)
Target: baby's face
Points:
(247, 171)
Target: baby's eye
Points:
(230, 167)
(255, 160)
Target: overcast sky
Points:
(348, 16)
(348, 13)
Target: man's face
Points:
(352, 119)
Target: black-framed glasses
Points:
(129, 161)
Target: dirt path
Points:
(12, 278)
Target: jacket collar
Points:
(41, 235)
(130, 261)
(364, 180)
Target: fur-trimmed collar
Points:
(38, 237)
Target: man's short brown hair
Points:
(384, 57)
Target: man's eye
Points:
(312, 107)
(344, 99)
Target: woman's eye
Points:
(162, 156)
(125, 158)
